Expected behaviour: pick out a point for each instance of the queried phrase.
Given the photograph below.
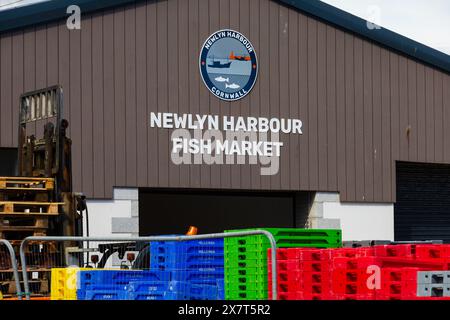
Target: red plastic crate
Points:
(355, 297)
(305, 285)
(348, 276)
(302, 296)
(310, 278)
(302, 266)
(288, 296)
(402, 288)
(399, 274)
(381, 296)
(350, 282)
(365, 252)
(287, 276)
(355, 263)
(302, 254)
(400, 250)
(352, 288)
(400, 262)
(287, 286)
(344, 252)
(432, 251)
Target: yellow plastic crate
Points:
(64, 283)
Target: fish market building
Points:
(352, 123)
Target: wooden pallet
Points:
(21, 233)
(38, 287)
(9, 287)
(23, 221)
(20, 207)
(26, 183)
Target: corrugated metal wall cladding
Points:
(363, 107)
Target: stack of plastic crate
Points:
(196, 265)
(246, 269)
(302, 274)
(64, 283)
(386, 272)
(397, 284)
(114, 284)
(349, 276)
(404, 267)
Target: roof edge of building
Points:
(382, 36)
(51, 10)
(45, 12)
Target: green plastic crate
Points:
(245, 247)
(249, 263)
(256, 277)
(243, 256)
(291, 232)
(289, 237)
(246, 271)
(248, 240)
(249, 286)
(247, 295)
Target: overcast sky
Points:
(426, 21)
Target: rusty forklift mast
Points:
(50, 155)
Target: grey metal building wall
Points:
(363, 106)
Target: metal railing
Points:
(13, 266)
(270, 237)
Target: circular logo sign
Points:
(228, 65)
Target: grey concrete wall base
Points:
(316, 218)
(135, 208)
(125, 225)
(320, 199)
(316, 223)
(126, 194)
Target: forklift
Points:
(40, 201)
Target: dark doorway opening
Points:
(422, 210)
(8, 162)
(173, 211)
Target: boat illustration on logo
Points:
(228, 65)
(218, 64)
(240, 58)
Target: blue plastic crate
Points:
(174, 290)
(157, 295)
(81, 293)
(153, 286)
(182, 249)
(117, 277)
(206, 276)
(147, 286)
(190, 263)
(190, 258)
(202, 292)
(105, 295)
(206, 246)
(221, 289)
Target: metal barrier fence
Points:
(7, 268)
(81, 246)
